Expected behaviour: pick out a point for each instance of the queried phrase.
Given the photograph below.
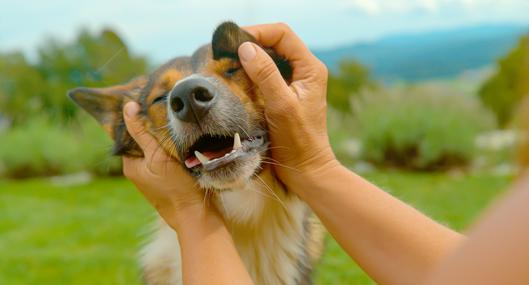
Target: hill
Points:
(429, 55)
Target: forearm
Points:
(391, 241)
(208, 252)
(496, 250)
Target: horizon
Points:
(320, 25)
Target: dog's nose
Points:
(192, 99)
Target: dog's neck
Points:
(245, 203)
(261, 217)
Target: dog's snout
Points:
(192, 99)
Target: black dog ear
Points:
(106, 105)
(228, 37)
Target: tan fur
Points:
(277, 237)
(267, 225)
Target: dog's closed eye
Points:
(160, 99)
(231, 71)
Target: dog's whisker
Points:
(281, 165)
(278, 147)
(271, 192)
(264, 194)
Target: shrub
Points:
(350, 79)
(39, 148)
(412, 129)
(505, 90)
(339, 126)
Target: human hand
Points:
(296, 113)
(159, 177)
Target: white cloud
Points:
(162, 29)
(400, 7)
(370, 7)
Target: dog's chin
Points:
(232, 175)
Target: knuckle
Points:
(283, 26)
(285, 108)
(266, 72)
(129, 169)
(127, 172)
(322, 69)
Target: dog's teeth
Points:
(202, 158)
(237, 141)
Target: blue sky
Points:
(161, 29)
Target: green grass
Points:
(90, 234)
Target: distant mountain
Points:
(431, 55)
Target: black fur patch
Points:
(106, 105)
(228, 37)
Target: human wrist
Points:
(312, 174)
(181, 214)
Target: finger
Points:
(137, 129)
(287, 44)
(263, 72)
(130, 166)
(282, 39)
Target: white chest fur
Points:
(267, 227)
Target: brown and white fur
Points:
(275, 233)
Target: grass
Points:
(90, 234)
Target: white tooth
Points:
(202, 158)
(237, 141)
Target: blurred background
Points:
(423, 94)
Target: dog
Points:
(208, 115)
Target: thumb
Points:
(263, 71)
(137, 129)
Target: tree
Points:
(27, 89)
(350, 80)
(92, 60)
(503, 92)
(21, 87)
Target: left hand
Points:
(159, 177)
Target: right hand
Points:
(159, 177)
(296, 113)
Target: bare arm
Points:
(497, 250)
(394, 243)
(208, 252)
(391, 241)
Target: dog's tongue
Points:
(193, 161)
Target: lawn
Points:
(90, 234)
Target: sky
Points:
(162, 29)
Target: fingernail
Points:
(131, 109)
(247, 51)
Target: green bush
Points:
(40, 148)
(350, 79)
(505, 90)
(411, 129)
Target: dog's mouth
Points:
(214, 151)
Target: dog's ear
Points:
(106, 105)
(228, 37)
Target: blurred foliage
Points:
(503, 92)
(57, 234)
(40, 148)
(49, 134)
(352, 77)
(28, 89)
(413, 129)
(523, 118)
(422, 130)
(340, 127)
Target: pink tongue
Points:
(193, 161)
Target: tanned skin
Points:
(207, 249)
(394, 243)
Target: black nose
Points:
(192, 99)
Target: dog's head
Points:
(203, 110)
